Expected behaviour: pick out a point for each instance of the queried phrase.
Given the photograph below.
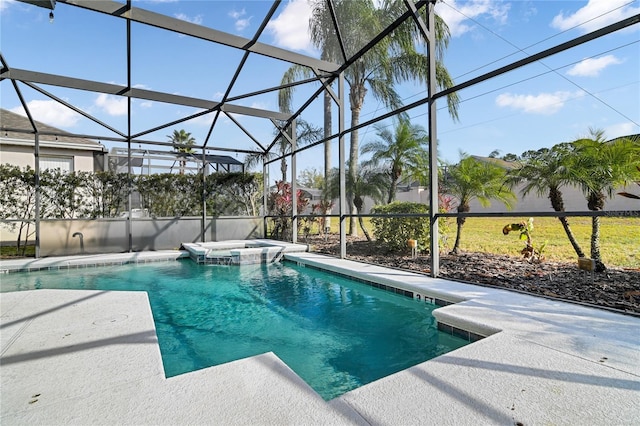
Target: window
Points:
(63, 163)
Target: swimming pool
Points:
(335, 333)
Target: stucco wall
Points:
(73, 236)
(22, 156)
(574, 200)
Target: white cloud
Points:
(595, 14)
(291, 28)
(543, 103)
(241, 24)
(457, 16)
(112, 105)
(50, 112)
(592, 67)
(218, 96)
(4, 4)
(146, 104)
(195, 20)
(621, 129)
(260, 105)
(237, 14)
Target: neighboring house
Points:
(17, 145)
(148, 161)
(573, 197)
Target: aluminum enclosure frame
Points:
(326, 74)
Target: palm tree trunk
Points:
(364, 229)
(353, 166)
(359, 203)
(462, 208)
(595, 244)
(356, 99)
(572, 238)
(328, 124)
(327, 154)
(456, 245)
(393, 188)
(555, 196)
(595, 202)
(283, 169)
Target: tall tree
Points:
(544, 172)
(398, 151)
(599, 168)
(474, 179)
(183, 144)
(311, 178)
(395, 59)
(305, 134)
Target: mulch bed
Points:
(617, 288)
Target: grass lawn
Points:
(10, 251)
(619, 238)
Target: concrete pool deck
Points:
(91, 357)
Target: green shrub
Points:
(396, 231)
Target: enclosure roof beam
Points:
(198, 31)
(633, 20)
(532, 58)
(171, 123)
(254, 112)
(277, 88)
(395, 24)
(336, 27)
(78, 110)
(422, 27)
(115, 89)
(246, 132)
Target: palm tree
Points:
(399, 151)
(545, 171)
(395, 59)
(369, 182)
(599, 167)
(628, 194)
(474, 179)
(182, 144)
(306, 133)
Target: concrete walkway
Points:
(91, 357)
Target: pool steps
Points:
(241, 252)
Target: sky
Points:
(592, 86)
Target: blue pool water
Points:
(335, 333)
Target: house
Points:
(572, 196)
(574, 199)
(57, 149)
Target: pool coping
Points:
(8, 266)
(542, 361)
